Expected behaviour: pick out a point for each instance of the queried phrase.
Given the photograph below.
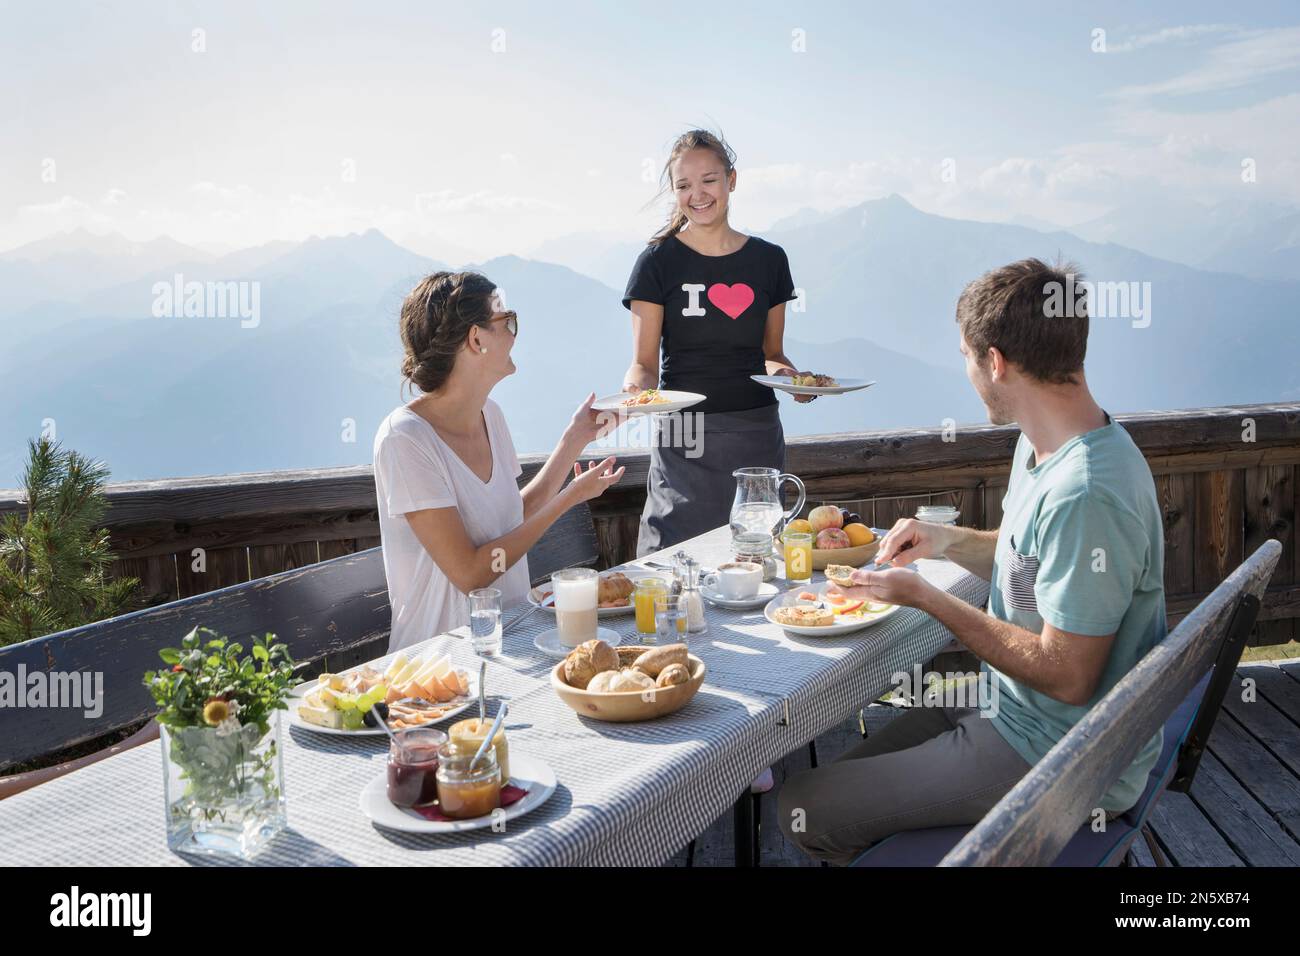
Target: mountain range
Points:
(308, 384)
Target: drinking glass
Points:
(576, 593)
(485, 621)
(670, 619)
(798, 555)
(648, 590)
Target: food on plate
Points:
(812, 379)
(840, 575)
(467, 735)
(408, 693)
(343, 701)
(586, 661)
(647, 396)
(656, 659)
(859, 534)
(800, 526)
(613, 589)
(672, 675)
(801, 615)
(829, 539)
(825, 516)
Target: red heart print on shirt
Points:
(731, 299)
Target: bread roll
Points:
(655, 660)
(672, 675)
(630, 679)
(600, 684)
(586, 661)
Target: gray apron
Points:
(687, 496)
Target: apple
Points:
(830, 538)
(825, 516)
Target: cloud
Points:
(114, 197)
(484, 200)
(1171, 35)
(1232, 65)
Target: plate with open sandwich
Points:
(818, 614)
(648, 401)
(614, 596)
(812, 383)
(531, 784)
(406, 692)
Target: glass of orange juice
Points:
(648, 590)
(798, 555)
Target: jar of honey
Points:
(468, 735)
(466, 791)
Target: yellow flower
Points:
(215, 711)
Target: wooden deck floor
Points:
(1243, 808)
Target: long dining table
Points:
(627, 794)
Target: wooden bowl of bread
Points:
(627, 684)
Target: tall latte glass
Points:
(576, 591)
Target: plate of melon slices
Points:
(406, 692)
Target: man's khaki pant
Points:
(931, 767)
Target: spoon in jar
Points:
(491, 735)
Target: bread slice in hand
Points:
(840, 575)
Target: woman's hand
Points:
(587, 424)
(788, 372)
(593, 482)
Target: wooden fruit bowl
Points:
(851, 557)
(631, 705)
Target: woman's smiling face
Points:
(702, 186)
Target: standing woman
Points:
(711, 300)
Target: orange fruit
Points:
(859, 534)
(799, 525)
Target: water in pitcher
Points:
(756, 516)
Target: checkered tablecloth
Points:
(627, 794)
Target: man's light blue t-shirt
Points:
(1081, 547)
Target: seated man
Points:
(1076, 590)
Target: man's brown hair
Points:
(1031, 313)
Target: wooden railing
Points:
(1226, 477)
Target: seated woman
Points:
(451, 515)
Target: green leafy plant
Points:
(216, 704)
(207, 675)
(54, 559)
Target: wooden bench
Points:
(1179, 686)
(333, 614)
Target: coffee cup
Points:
(735, 580)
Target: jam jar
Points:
(413, 767)
(465, 792)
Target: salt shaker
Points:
(691, 597)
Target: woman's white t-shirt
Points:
(414, 470)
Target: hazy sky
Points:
(474, 129)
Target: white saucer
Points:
(548, 642)
(766, 591)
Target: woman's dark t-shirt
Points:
(715, 311)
